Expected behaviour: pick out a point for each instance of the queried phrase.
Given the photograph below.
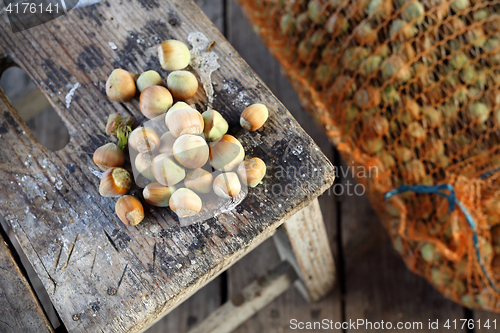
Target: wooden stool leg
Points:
(302, 241)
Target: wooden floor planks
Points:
(378, 284)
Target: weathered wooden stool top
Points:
(100, 274)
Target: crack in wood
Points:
(111, 240)
(121, 279)
(58, 257)
(154, 259)
(3, 322)
(93, 260)
(126, 107)
(40, 259)
(70, 252)
(12, 327)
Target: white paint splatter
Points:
(243, 98)
(29, 184)
(155, 228)
(96, 173)
(69, 96)
(230, 88)
(203, 62)
(297, 150)
(48, 205)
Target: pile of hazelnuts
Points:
(176, 163)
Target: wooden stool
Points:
(100, 274)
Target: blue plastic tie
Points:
(452, 201)
(489, 173)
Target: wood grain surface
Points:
(21, 311)
(99, 274)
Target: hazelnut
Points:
(227, 185)
(173, 55)
(158, 195)
(144, 140)
(184, 121)
(380, 9)
(226, 153)
(148, 79)
(108, 156)
(182, 84)
(185, 202)
(166, 143)
(120, 86)
(115, 182)
(143, 164)
(155, 101)
(254, 116)
(199, 180)
(129, 209)
(215, 126)
(191, 151)
(252, 171)
(166, 170)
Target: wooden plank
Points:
(277, 315)
(378, 284)
(249, 301)
(303, 242)
(31, 276)
(21, 311)
(191, 312)
(99, 273)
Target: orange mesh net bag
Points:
(410, 88)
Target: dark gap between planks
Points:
(39, 291)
